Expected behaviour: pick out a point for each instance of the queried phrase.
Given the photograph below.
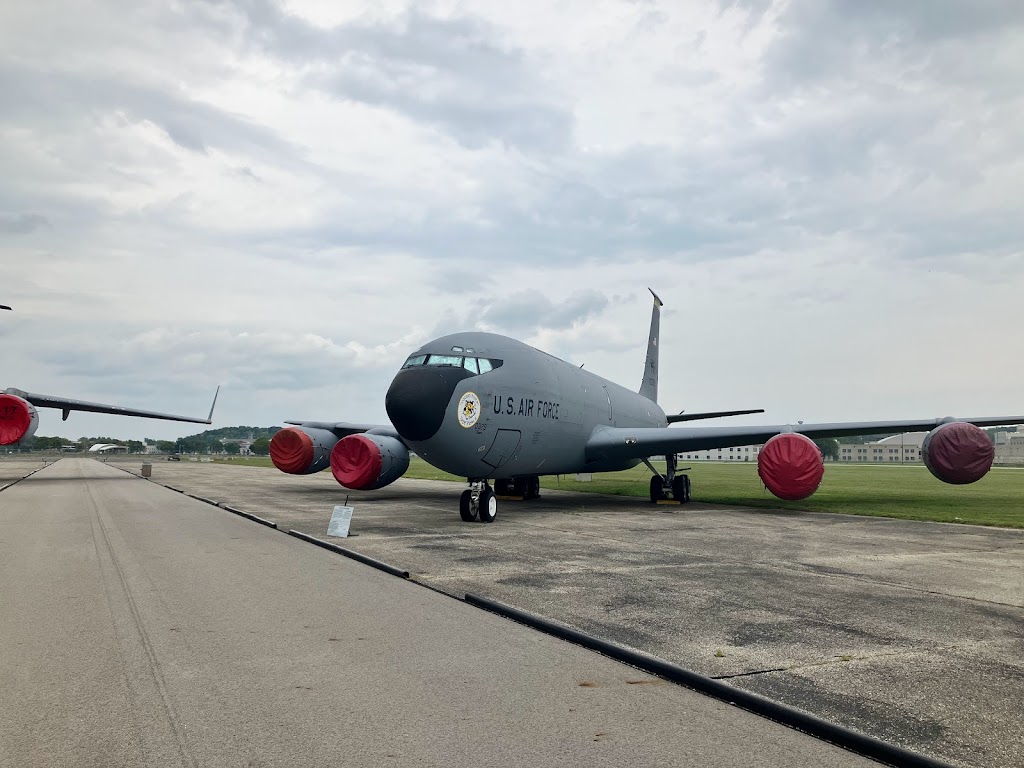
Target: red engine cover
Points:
(790, 466)
(17, 419)
(356, 462)
(291, 450)
(958, 453)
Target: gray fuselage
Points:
(532, 414)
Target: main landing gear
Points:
(480, 501)
(672, 487)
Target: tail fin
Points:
(649, 385)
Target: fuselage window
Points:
(415, 360)
(485, 364)
(453, 360)
(470, 365)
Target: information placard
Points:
(340, 521)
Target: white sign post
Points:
(340, 521)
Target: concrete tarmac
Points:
(910, 632)
(143, 628)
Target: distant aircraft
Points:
(19, 417)
(107, 448)
(490, 408)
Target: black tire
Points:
(466, 511)
(533, 488)
(657, 490)
(505, 487)
(681, 488)
(488, 505)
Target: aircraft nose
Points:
(418, 398)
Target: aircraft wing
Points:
(66, 405)
(344, 428)
(610, 443)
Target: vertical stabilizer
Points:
(649, 385)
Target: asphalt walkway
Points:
(141, 627)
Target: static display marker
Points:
(340, 522)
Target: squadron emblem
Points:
(469, 409)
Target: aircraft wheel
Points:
(533, 488)
(466, 511)
(488, 505)
(681, 488)
(657, 490)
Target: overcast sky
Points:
(287, 198)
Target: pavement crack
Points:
(749, 674)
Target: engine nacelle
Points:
(958, 452)
(302, 450)
(367, 461)
(18, 419)
(791, 466)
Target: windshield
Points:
(475, 365)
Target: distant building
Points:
(898, 449)
(737, 453)
(1010, 447)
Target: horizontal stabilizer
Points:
(709, 415)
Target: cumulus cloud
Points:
(287, 197)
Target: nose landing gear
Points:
(478, 501)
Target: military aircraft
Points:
(493, 409)
(19, 417)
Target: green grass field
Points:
(907, 492)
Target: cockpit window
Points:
(475, 365)
(415, 360)
(453, 360)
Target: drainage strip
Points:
(868, 746)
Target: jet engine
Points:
(18, 419)
(302, 450)
(367, 461)
(958, 452)
(790, 466)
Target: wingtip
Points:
(209, 419)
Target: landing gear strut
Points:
(525, 488)
(672, 487)
(478, 501)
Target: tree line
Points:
(217, 441)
